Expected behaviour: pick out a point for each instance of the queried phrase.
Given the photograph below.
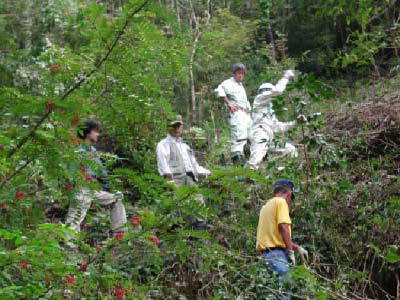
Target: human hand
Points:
(168, 177)
(303, 253)
(291, 257)
(288, 74)
(232, 108)
(295, 247)
(119, 195)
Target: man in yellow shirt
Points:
(275, 230)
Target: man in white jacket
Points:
(265, 124)
(234, 96)
(175, 159)
(176, 162)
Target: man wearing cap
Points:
(175, 159)
(234, 96)
(265, 124)
(274, 232)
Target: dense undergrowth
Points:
(346, 214)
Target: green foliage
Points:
(346, 212)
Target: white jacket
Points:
(188, 159)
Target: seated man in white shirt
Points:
(175, 159)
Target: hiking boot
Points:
(237, 158)
(201, 225)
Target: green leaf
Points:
(345, 185)
(392, 256)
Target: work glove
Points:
(301, 119)
(291, 256)
(119, 195)
(303, 253)
(288, 74)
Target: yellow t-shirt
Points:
(274, 212)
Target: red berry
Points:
(74, 142)
(54, 68)
(119, 293)
(119, 235)
(49, 106)
(135, 221)
(154, 239)
(75, 120)
(88, 177)
(68, 186)
(82, 267)
(70, 279)
(19, 195)
(23, 265)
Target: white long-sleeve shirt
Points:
(235, 92)
(163, 156)
(263, 112)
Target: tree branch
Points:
(82, 80)
(8, 178)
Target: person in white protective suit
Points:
(234, 96)
(265, 124)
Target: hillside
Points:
(133, 65)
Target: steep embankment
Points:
(346, 214)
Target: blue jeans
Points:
(277, 261)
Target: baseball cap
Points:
(284, 182)
(176, 120)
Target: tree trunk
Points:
(178, 12)
(197, 34)
(272, 39)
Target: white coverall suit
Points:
(240, 120)
(265, 124)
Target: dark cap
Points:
(284, 182)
